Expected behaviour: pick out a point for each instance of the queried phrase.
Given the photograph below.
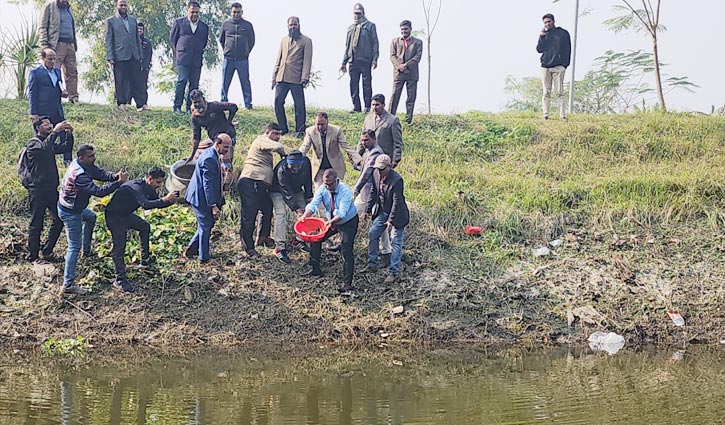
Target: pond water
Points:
(573, 386)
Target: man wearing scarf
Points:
(292, 73)
(361, 51)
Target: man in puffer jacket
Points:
(237, 40)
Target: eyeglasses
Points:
(358, 13)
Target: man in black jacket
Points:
(555, 48)
(237, 40)
(361, 51)
(120, 218)
(41, 180)
(147, 51)
(291, 187)
(390, 214)
(213, 117)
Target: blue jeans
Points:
(242, 68)
(186, 75)
(79, 230)
(377, 228)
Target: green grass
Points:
(521, 177)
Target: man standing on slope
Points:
(188, 39)
(292, 73)
(41, 180)
(361, 51)
(76, 190)
(237, 40)
(57, 31)
(555, 48)
(123, 52)
(205, 196)
(45, 90)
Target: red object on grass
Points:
(313, 229)
(472, 230)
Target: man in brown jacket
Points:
(57, 31)
(405, 54)
(328, 143)
(292, 73)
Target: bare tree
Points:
(646, 20)
(430, 24)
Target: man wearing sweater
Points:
(555, 48)
(76, 189)
(253, 188)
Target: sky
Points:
(476, 45)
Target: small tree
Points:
(430, 25)
(645, 20)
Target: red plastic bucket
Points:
(313, 229)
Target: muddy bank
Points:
(592, 281)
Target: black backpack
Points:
(23, 170)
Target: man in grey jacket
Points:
(387, 129)
(361, 51)
(237, 40)
(123, 52)
(57, 30)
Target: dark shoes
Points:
(310, 271)
(369, 268)
(178, 111)
(146, 262)
(46, 259)
(190, 253)
(124, 286)
(74, 289)
(367, 110)
(392, 278)
(344, 287)
(298, 244)
(252, 254)
(267, 242)
(282, 256)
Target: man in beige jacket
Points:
(292, 73)
(405, 54)
(253, 188)
(328, 144)
(57, 31)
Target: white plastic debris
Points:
(541, 252)
(608, 342)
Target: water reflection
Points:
(439, 388)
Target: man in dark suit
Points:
(390, 214)
(405, 54)
(123, 52)
(147, 52)
(45, 89)
(204, 194)
(188, 39)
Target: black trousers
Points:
(364, 70)
(40, 200)
(141, 94)
(298, 97)
(254, 198)
(412, 89)
(348, 230)
(126, 77)
(119, 226)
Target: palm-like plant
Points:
(20, 52)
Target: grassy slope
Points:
(636, 200)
